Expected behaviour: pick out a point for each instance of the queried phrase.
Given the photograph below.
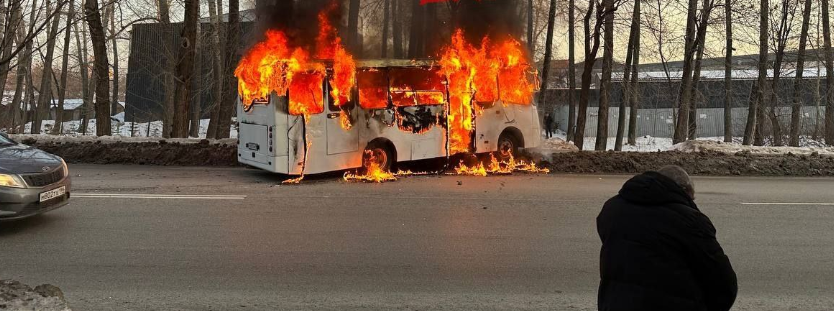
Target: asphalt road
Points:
(232, 239)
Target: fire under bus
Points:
(398, 111)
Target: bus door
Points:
(342, 132)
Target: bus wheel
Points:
(380, 155)
(507, 146)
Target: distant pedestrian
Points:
(659, 252)
(548, 124)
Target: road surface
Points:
(165, 238)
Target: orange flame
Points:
(373, 172)
(274, 65)
(487, 73)
(495, 167)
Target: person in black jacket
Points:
(659, 252)
(548, 125)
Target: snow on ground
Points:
(119, 128)
(654, 144)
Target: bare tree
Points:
(605, 80)
(415, 41)
(634, 89)
(682, 125)
(829, 77)
(548, 53)
(45, 94)
(591, 49)
(796, 106)
(728, 73)
(62, 90)
(217, 69)
(81, 54)
(788, 8)
(386, 24)
(701, 34)
(571, 69)
(232, 42)
(531, 44)
(169, 85)
(626, 96)
(102, 102)
(185, 69)
(353, 27)
(754, 111)
(115, 46)
(398, 28)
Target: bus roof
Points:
(380, 63)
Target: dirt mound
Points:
(697, 163)
(17, 296)
(162, 152)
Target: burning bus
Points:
(399, 111)
(310, 109)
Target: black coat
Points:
(659, 252)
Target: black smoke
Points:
(297, 18)
(494, 19)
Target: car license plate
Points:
(52, 194)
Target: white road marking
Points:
(789, 203)
(157, 196)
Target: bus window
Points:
(514, 90)
(305, 92)
(416, 86)
(373, 93)
(331, 104)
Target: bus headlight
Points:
(12, 181)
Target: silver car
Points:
(32, 181)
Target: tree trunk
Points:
(531, 44)
(682, 125)
(626, 96)
(781, 42)
(701, 35)
(101, 63)
(415, 41)
(169, 84)
(829, 77)
(634, 90)
(398, 29)
(571, 69)
(217, 70)
(185, 69)
(229, 96)
(353, 28)
(796, 106)
(45, 94)
(728, 74)
(751, 130)
(81, 55)
(590, 57)
(115, 46)
(548, 55)
(605, 81)
(17, 104)
(386, 21)
(8, 34)
(62, 92)
(196, 110)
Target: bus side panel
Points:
(488, 125)
(527, 118)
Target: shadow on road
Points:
(12, 227)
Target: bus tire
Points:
(509, 144)
(380, 152)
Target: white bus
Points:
(398, 112)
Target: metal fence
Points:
(661, 122)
